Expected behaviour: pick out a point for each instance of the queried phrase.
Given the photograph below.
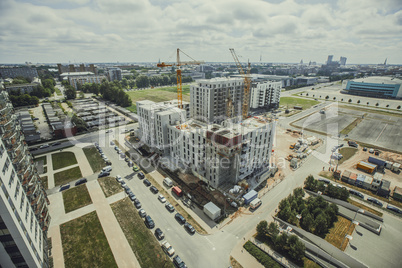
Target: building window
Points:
(17, 190)
(6, 165)
(10, 182)
(1, 150)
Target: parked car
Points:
(365, 149)
(189, 228)
(135, 168)
(356, 193)
(323, 180)
(130, 163)
(394, 209)
(159, 234)
(80, 181)
(162, 198)
(132, 197)
(119, 179)
(116, 148)
(142, 213)
(127, 189)
(169, 207)
(153, 189)
(168, 248)
(180, 218)
(112, 143)
(141, 175)
(178, 262)
(64, 187)
(149, 222)
(44, 146)
(137, 203)
(126, 159)
(103, 174)
(56, 143)
(100, 151)
(371, 151)
(122, 155)
(374, 201)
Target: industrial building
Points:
(376, 87)
(24, 215)
(208, 98)
(265, 94)
(26, 72)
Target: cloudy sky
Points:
(364, 31)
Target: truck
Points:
(377, 161)
(250, 196)
(292, 146)
(255, 203)
(177, 191)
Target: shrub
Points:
(260, 255)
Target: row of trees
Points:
(23, 100)
(283, 243)
(332, 191)
(314, 215)
(112, 91)
(143, 81)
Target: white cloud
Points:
(365, 31)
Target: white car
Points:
(44, 146)
(162, 198)
(119, 179)
(168, 248)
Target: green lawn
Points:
(110, 186)
(260, 255)
(43, 181)
(76, 198)
(347, 153)
(94, 158)
(42, 158)
(85, 244)
(143, 243)
(351, 126)
(58, 92)
(68, 175)
(291, 102)
(157, 95)
(63, 159)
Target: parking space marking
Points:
(381, 132)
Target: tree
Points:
(321, 225)
(358, 101)
(131, 83)
(292, 218)
(310, 183)
(327, 97)
(341, 99)
(281, 241)
(321, 186)
(334, 98)
(298, 192)
(254, 70)
(387, 105)
(307, 222)
(124, 82)
(343, 194)
(273, 229)
(399, 107)
(368, 103)
(284, 214)
(350, 100)
(142, 81)
(332, 191)
(70, 93)
(297, 249)
(81, 125)
(262, 228)
(377, 104)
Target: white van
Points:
(168, 182)
(107, 169)
(255, 203)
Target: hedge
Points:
(260, 255)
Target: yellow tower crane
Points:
(247, 83)
(180, 63)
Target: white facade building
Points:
(75, 80)
(208, 98)
(265, 94)
(24, 216)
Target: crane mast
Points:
(247, 83)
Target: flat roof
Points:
(379, 80)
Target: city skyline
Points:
(366, 32)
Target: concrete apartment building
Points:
(220, 154)
(114, 73)
(153, 119)
(76, 80)
(208, 98)
(265, 94)
(24, 216)
(71, 68)
(26, 72)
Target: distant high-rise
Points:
(114, 73)
(342, 61)
(24, 215)
(329, 60)
(74, 69)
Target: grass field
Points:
(157, 95)
(291, 102)
(143, 243)
(375, 111)
(369, 209)
(85, 244)
(63, 159)
(94, 158)
(337, 233)
(58, 92)
(76, 198)
(67, 175)
(351, 126)
(42, 158)
(43, 181)
(110, 186)
(176, 205)
(347, 153)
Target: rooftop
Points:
(379, 80)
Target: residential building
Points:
(342, 61)
(82, 79)
(208, 98)
(26, 72)
(114, 73)
(376, 87)
(265, 94)
(71, 68)
(24, 216)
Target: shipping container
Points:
(250, 196)
(396, 167)
(397, 193)
(346, 175)
(360, 180)
(212, 211)
(388, 164)
(377, 180)
(384, 190)
(367, 182)
(367, 167)
(177, 191)
(352, 178)
(377, 161)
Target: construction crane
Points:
(247, 83)
(180, 63)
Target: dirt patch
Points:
(234, 263)
(336, 235)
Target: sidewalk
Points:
(242, 256)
